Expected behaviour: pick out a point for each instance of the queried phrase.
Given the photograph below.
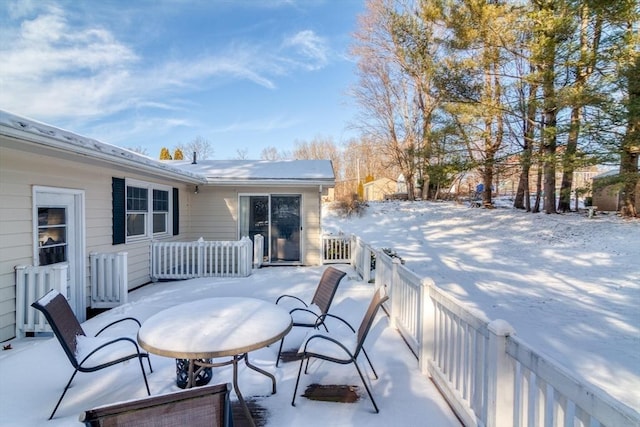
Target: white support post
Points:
(427, 322)
(246, 252)
(352, 250)
(201, 258)
(366, 264)
(123, 279)
(500, 376)
(59, 278)
(393, 293)
(258, 250)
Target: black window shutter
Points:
(119, 212)
(176, 213)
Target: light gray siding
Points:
(215, 215)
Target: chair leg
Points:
(144, 375)
(63, 393)
(370, 364)
(279, 351)
(366, 386)
(295, 390)
(149, 362)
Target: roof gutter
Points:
(273, 182)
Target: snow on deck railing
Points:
(186, 260)
(489, 376)
(32, 282)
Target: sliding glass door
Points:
(277, 218)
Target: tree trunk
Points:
(588, 55)
(523, 198)
(631, 146)
(568, 161)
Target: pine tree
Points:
(164, 154)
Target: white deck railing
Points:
(186, 260)
(32, 282)
(336, 249)
(108, 279)
(489, 376)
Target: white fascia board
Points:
(271, 182)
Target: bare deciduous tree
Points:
(201, 146)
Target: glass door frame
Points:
(270, 250)
(74, 200)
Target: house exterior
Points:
(66, 196)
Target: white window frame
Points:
(149, 186)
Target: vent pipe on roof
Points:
(194, 159)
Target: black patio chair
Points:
(340, 348)
(307, 315)
(94, 356)
(206, 406)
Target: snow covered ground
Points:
(568, 284)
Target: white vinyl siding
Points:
(21, 170)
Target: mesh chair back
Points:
(197, 407)
(63, 322)
(327, 288)
(378, 299)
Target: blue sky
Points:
(243, 74)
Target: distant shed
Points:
(607, 195)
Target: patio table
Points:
(213, 328)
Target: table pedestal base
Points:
(201, 364)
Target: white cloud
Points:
(311, 48)
(53, 69)
(47, 44)
(21, 8)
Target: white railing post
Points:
(200, 256)
(426, 318)
(59, 278)
(246, 252)
(500, 376)
(258, 250)
(153, 265)
(123, 276)
(394, 294)
(366, 264)
(353, 250)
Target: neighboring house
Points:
(65, 196)
(379, 189)
(607, 196)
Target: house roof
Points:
(281, 172)
(217, 172)
(31, 131)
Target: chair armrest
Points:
(305, 310)
(326, 338)
(118, 321)
(322, 318)
(107, 344)
(291, 296)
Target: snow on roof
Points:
(315, 172)
(284, 171)
(51, 136)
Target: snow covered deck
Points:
(35, 370)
